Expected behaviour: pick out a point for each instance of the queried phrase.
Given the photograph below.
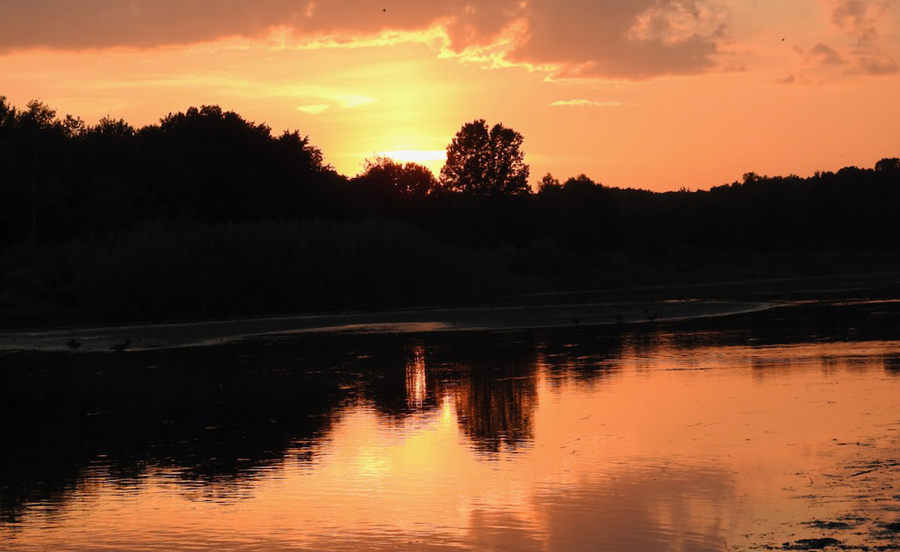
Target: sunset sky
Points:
(657, 94)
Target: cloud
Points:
(313, 109)
(826, 55)
(625, 39)
(853, 16)
(859, 21)
(349, 101)
(851, 45)
(139, 23)
(790, 78)
(91, 24)
(635, 39)
(337, 99)
(873, 66)
(585, 103)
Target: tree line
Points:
(61, 178)
(82, 203)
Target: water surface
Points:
(753, 433)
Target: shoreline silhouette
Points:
(208, 216)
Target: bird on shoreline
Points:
(73, 344)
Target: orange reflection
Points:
(416, 384)
(496, 405)
(679, 448)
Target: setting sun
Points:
(531, 275)
(658, 97)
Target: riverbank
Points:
(156, 336)
(616, 306)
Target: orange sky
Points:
(657, 94)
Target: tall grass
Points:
(177, 271)
(174, 271)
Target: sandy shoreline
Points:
(156, 336)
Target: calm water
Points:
(744, 433)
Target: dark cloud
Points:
(853, 16)
(826, 55)
(636, 39)
(873, 66)
(479, 24)
(859, 19)
(90, 24)
(789, 79)
(86, 24)
(630, 39)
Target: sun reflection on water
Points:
(416, 384)
(642, 443)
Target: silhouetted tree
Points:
(485, 161)
(580, 184)
(888, 165)
(548, 184)
(113, 129)
(384, 177)
(221, 168)
(34, 153)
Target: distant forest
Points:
(207, 215)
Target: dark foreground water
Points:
(770, 430)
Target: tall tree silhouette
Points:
(485, 161)
(220, 167)
(33, 152)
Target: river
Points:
(772, 429)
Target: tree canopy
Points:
(385, 177)
(485, 161)
(61, 178)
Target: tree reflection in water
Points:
(215, 417)
(495, 401)
(215, 421)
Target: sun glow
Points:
(415, 156)
(416, 378)
(433, 159)
(357, 80)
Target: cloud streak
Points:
(568, 39)
(313, 109)
(629, 39)
(585, 103)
